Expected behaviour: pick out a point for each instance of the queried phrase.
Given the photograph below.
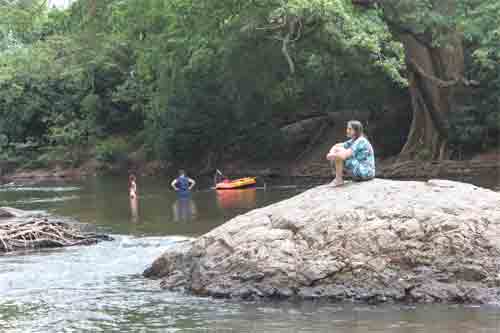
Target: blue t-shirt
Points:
(362, 161)
(182, 184)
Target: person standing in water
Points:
(355, 155)
(183, 185)
(132, 186)
(132, 191)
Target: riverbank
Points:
(483, 169)
(480, 171)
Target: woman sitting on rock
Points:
(356, 155)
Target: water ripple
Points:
(38, 189)
(43, 200)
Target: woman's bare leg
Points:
(339, 172)
(338, 157)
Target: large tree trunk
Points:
(433, 74)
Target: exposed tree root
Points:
(44, 234)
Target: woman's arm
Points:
(347, 153)
(192, 183)
(341, 144)
(339, 152)
(173, 183)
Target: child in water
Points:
(132, 186)
(132, 191)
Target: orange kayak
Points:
(237, 183)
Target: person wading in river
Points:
(132, 191)
(355, 155)
(132, 186)
(183, 185)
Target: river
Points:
(100, 288)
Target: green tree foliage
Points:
(194, 78)
(478, 126)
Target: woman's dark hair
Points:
(357, 127)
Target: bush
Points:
(8, 155)
(112, 151)
(476, 125)
(42, 162)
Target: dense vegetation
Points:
(189, 80)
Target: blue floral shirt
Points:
(362, 161)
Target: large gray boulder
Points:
(376, 241)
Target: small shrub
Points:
(42, 162)
(112, 151)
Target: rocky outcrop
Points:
(302, 131)
(376, 241)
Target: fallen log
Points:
(42, 233)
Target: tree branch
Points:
(284, 50)
(298, 34)
(439, 82)
(275, 27)
(440, 123)
(293, 34)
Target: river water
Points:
(100, 288)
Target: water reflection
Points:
(134, 209)
(184, 209)
(242, 198)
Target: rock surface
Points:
(377, 241)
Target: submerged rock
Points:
(377, 241)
